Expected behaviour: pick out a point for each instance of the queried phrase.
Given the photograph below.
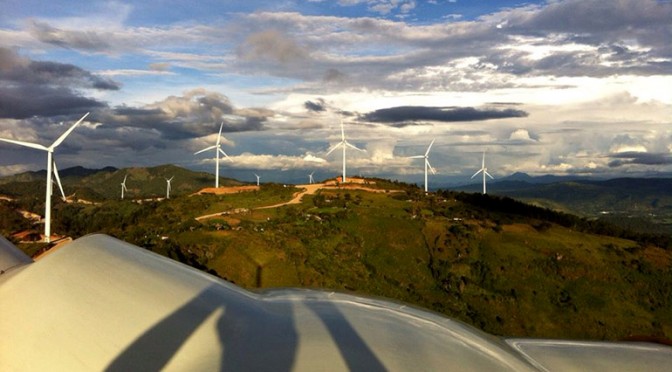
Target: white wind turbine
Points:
(123, 187)
(218, 149)
(483, 170)
(311, 180)
(51, 165)
(344, 144)
(427, 165)
(257, 178)
(168, 186)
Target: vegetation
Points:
(506, 267)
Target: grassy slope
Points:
(509, 279)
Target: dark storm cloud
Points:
(196, 113)
(315, 106)
(644, 158)
(44, 88)
(30, 100)
(403, 114)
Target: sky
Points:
(564, 87)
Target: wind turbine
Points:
(51, 165)
(218, 149)
(311, 180)
(427, 165)
(257, 178)
(483, 170)
(123, 187)
(168, 186)
(344, 144)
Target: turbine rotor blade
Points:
(219, 135)
(342, 131)
(58, 180)
(353, 146)
(417, 157)
(430, 147)
(430, 167)
(26, 144)
(488, 174)
(62, 137)
(205, 149)
(335, 147)
(223, 153)
(479, 171)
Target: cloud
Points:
(643, 158)
(30, 100)
(196, 113)
(83, 40)
(403, 114)
(272, 46)
(522, 135)
(44, 88)
(316, 106)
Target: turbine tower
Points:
(123, 187)
(168, 186)
(427, 165)
(344, 144)
(483, 170)
(218, 149)
(257, 179)
(311, 180)
(51, 168)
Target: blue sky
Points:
(559, 87)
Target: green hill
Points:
(641, 204)
(506, 267)
(102, 184)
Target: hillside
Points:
(102, 184)
(641, 204)
(506, 267)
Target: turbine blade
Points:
(488, 174)
(483, 162)
(125, 179)
(335, 147)
(417, 157)
(353, 146)
(219, 135)
(205, 149)
(430, 167)
(62, 137)
(123, 186)
(26, 144)
(479, 171)
(430, 147)
(58, 180)
(223, 153)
